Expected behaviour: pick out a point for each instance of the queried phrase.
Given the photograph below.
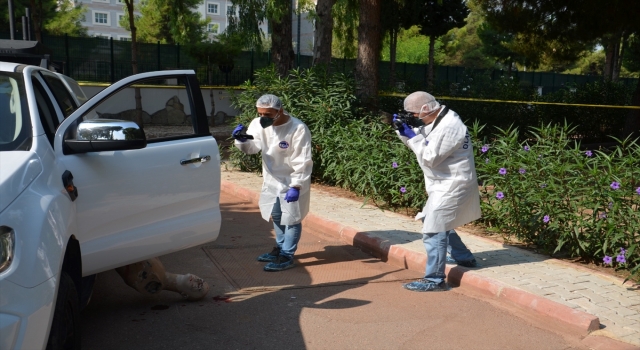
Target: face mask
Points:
(266, 122)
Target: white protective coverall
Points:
(286, 162)
(445, 155)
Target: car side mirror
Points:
(98, 135)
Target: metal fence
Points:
(107, 60)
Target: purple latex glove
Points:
(236, 131)
(406, 131)
(292, 195)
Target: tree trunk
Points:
(632, 122)
(368, 53)
(134, 60)
(281, 41)
(432, 47)
(323, 35)
(393, 47)
(36, 19)
(612, 47)
(620, 54)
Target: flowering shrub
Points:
(537, 186)
(562, 198)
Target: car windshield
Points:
(15, 125)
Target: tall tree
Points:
(131, 16)
(171, 22)
(278, 14)
(279, 18)
(67, 20)
(435, 20)
(368, 60)
(558, 27)
(393, 20)
(345, 14)
(323, 34)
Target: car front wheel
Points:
(65, 328)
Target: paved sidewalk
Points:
(578, 296)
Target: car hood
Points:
(17, 170)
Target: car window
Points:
(60, 92)
(47, 112)
(162, 107)
(15, 125)
(75, 87)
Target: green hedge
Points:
(555, 196)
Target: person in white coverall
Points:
(285, 143)
(444, 151)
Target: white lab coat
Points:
(286, 162)
(445, 155)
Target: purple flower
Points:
(522, 171)
(620, 258)
(394, 165)
(403, 190)
(546, 219)
(622, 251)
(607, 260)
(610, 205)
(500, 195)
(615, 185)
(602, 215)
(588, 153)
(485, 148)
(526, 148)
(638, 190)
(502, 171)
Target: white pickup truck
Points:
(81, 194)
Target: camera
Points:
(243, 134)
(406, 118)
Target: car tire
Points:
(65, 327)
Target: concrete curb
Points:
(456, 275)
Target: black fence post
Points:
(67, 68)
(178, 56)
(112, 62)
(159, 55)
(251, 71)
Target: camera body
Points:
(406, 118)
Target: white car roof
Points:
(8, 66)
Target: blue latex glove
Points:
(406, 131)
(236, 131)
(292, 195)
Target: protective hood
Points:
(17, 170)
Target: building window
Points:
(107, 1)
(101, 18)
(231, 10)
(213, 28)
(121, 17)
(213, 8)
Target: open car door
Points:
(146, 169)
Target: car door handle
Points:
(202, 159)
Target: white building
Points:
(102, 18)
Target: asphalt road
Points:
(336, 298)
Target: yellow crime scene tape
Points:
(391, 94)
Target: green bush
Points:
(555, 196)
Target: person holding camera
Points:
(285, 143)
(444, 151)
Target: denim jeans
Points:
(437, 244)
(287, 236)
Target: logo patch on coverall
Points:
(283, 144)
